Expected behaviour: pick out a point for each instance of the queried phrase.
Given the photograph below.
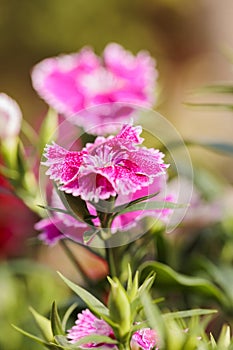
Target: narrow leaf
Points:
(188, 313)
(89, 235)
(48, 128)
(168, 278)
(92, 302)
(139, 200)
(58, 210)
(33, 337)
(153, 316)
(56, 321)
(96, 339)
(221, 106)
(67, 315)
(223, 88)
(43, 324)
(153, 205)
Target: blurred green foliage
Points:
(25, 284)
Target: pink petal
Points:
(131, 133)
(88, 324)
(63, 165)
(57, 80)
(149, 161)
(146, 338)
(91, 186)
(139, 72)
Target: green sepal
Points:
(56, 324)
(119, 308)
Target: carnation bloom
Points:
(88, 324)
(72, 83)
(113, 166)
(10, 117)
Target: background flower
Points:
(10, 117)
(72, 83)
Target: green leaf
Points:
(168, 278)
(67, 315)
(224, 339)
(188, 313)
(152, 205)
(78, 206)
(92, 302)
(58, 210)
(147, 284)
(36, 339)
(48, 129)
(29, 132)
(218, 88)
(214, 106)
(89, 235)
(63, 342)
(44, 325)
(139, 200)
(221, 147)
(153, 316)
(95, 338)
(56, 321)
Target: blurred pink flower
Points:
(72, 83)
(60, 225)
(111, 166)
(145, 338)
(10, 117)
(88, 324)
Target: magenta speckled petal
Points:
(63, 165)
(146, 338)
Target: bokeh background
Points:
(192, 42)
(189, 39)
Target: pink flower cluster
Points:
(73, 83)
(88, 324)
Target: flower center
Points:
(101, 81)
(105, 156)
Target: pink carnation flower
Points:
(72, 83)
(10, 117)
(88, 324)
(111, 166)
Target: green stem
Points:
(110, 259)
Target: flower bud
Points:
(10, 117)
(119, 308)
